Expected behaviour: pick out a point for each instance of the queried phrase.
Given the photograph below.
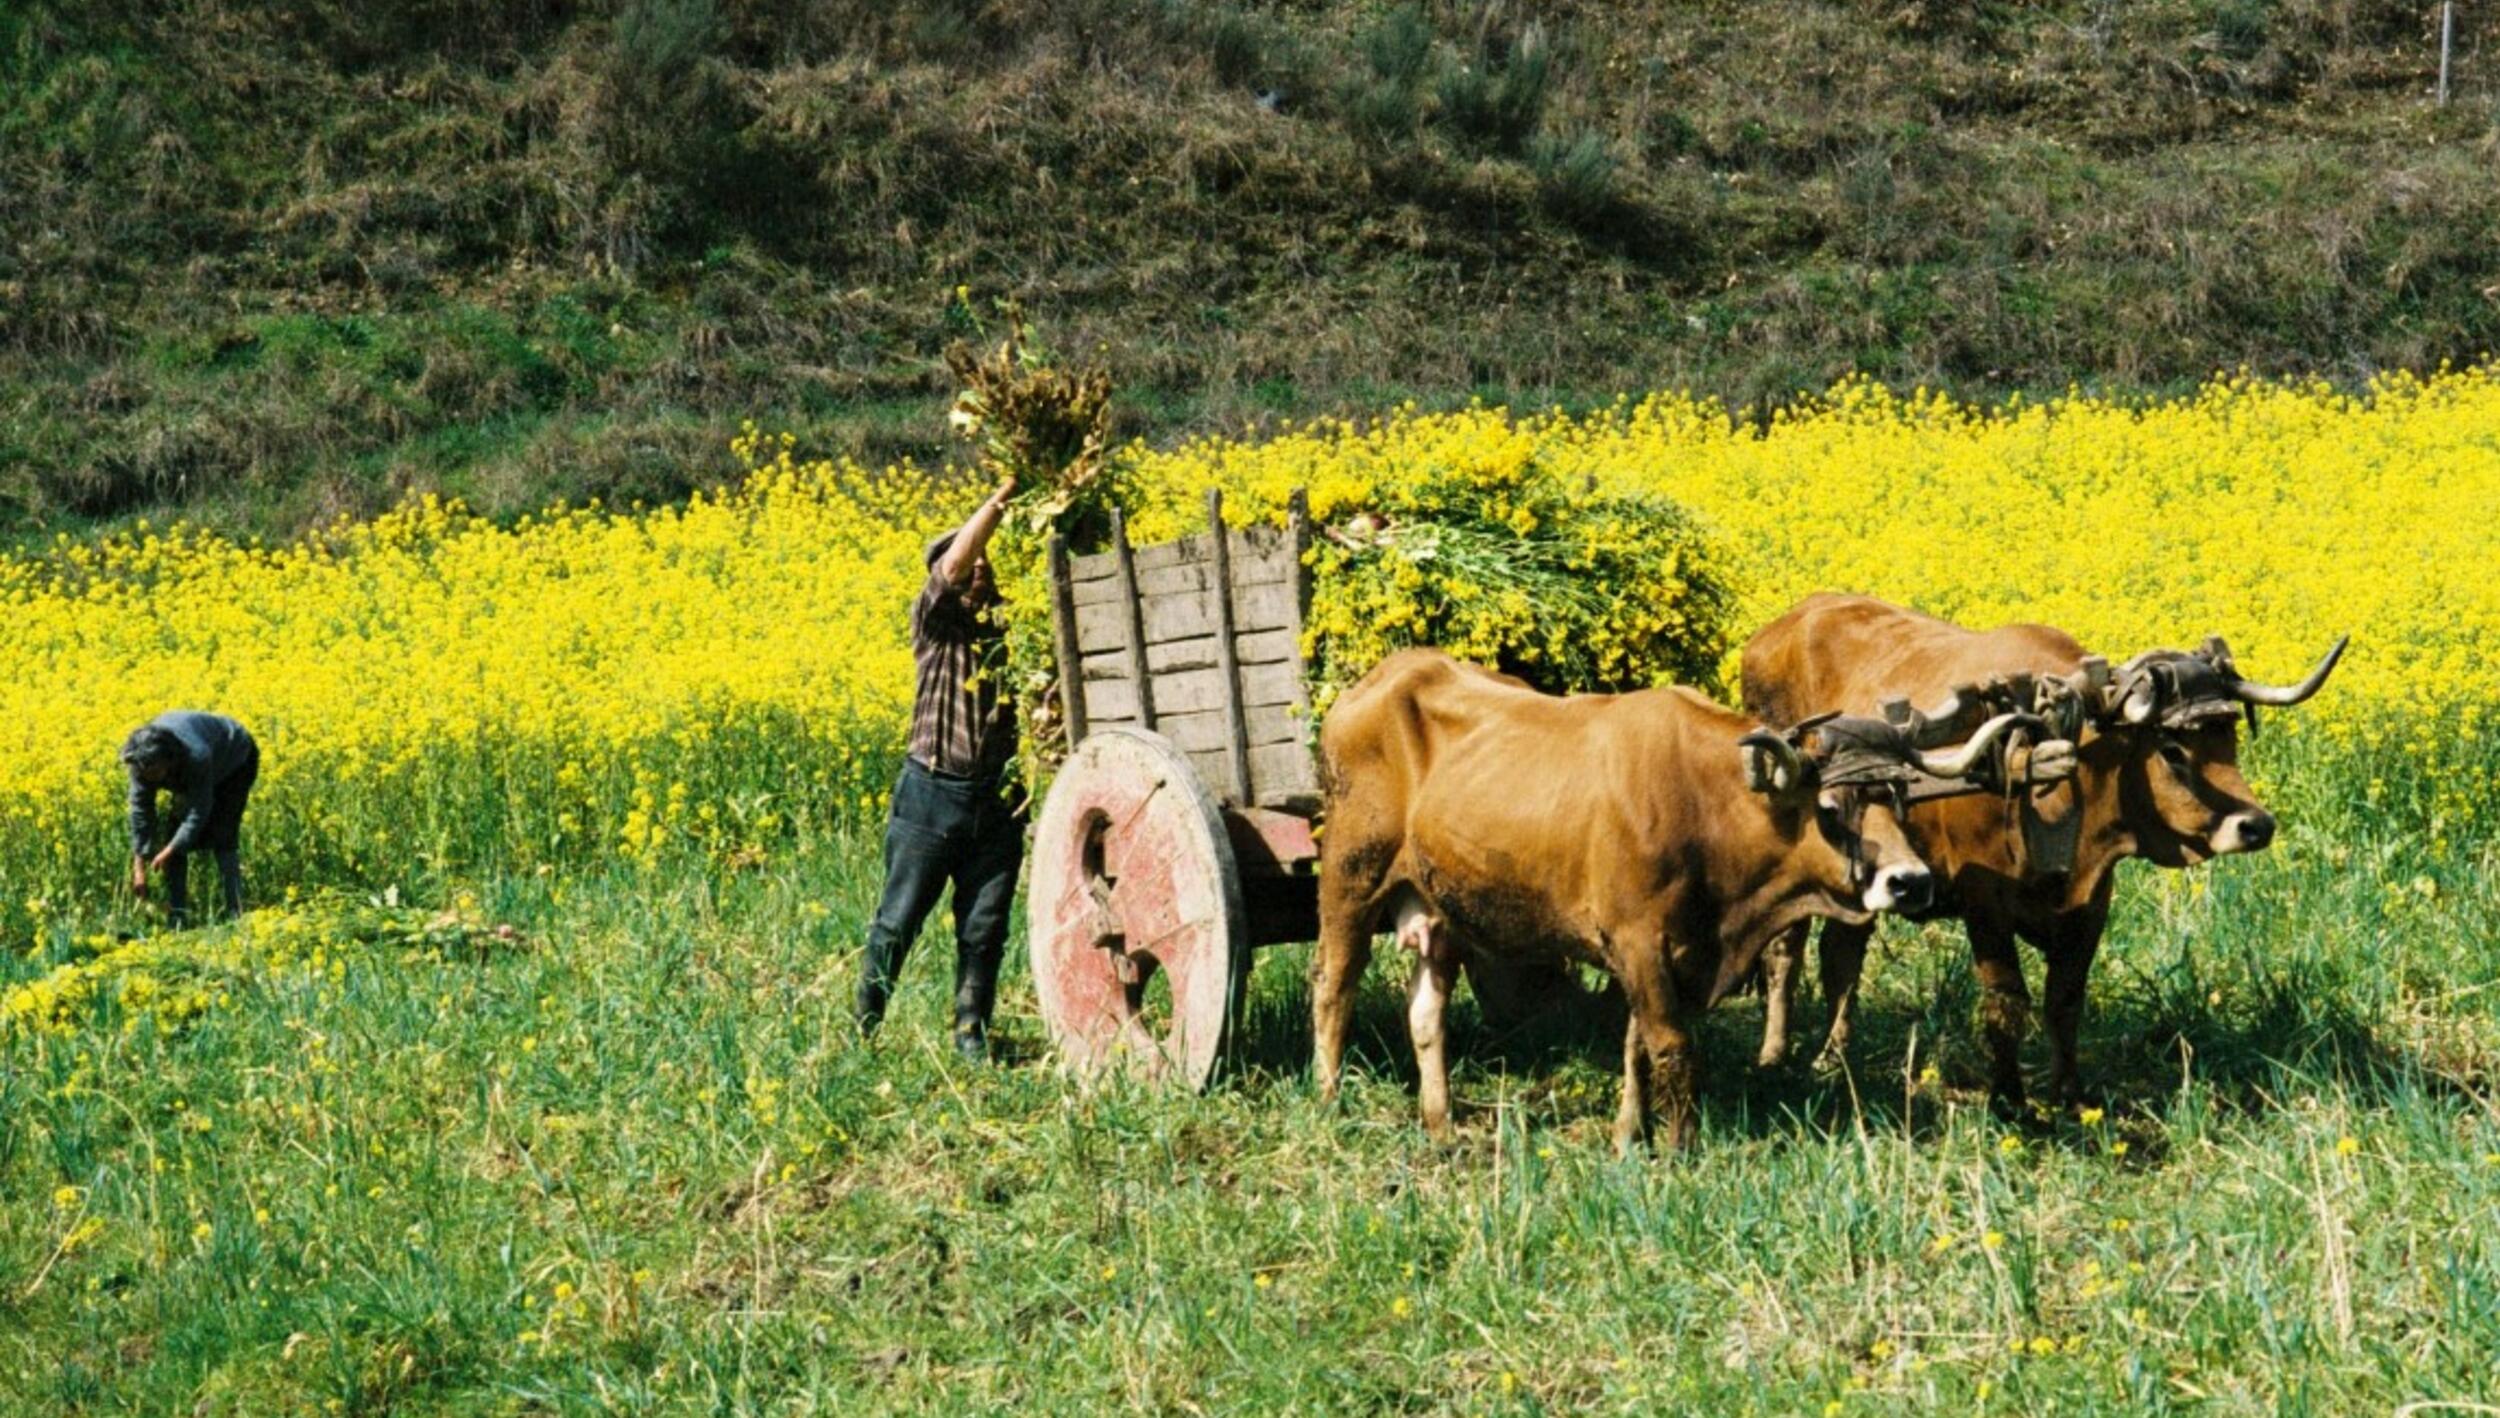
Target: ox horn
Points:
(1960, 762)
(2139, 696)
(2283, 696)
(1772, 763)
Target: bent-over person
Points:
(957, 818)
(210, 762)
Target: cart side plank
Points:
(1127, 619)
(1188, 691)
(1259, 647)
(1259, 555)
(1065, 657)
(1288, 777)
(1288, 780)
(1185, 615)
(1228, 666)
(1247, 570)
(1210, 730)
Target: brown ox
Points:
(2157, 776)
(1656, 834)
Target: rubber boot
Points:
(876, 987)
(177, 878)
(976, 990)
(230, 882)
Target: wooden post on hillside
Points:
(2447, 35)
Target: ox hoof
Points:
(1665, 1140)
(2070, 1094)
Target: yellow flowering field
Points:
(433, 691)
(2275, 516)
(437, 691)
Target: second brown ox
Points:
(2157, 776)
(1656, 834)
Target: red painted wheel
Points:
(1135, 912)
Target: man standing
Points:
(953, 819)
(211, 762)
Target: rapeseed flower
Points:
(697, 679)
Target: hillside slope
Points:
(270, 264)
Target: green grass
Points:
(654, 1107)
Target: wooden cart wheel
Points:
(1133, 877)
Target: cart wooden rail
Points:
(1178, 835)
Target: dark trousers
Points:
(223, 837)
(945, 830)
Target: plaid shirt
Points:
(960, 722)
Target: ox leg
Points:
(1779, 993)
(1632, 1114)
(1842, 952)
(1659, 1065)
(1345, 951)
(1427, 1003)
(2004, 1009)
(2073, 939)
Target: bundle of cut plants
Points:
(1046, 426)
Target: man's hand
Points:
(1006, 490)
(162, 858)
(138, 876)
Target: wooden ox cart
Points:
(1178, 835)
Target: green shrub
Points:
(1399, 48)
(1497, 101)
(1576, 177)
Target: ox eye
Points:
(2175, 756)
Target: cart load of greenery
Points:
(1485, 549)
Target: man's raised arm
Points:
(964, 553)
